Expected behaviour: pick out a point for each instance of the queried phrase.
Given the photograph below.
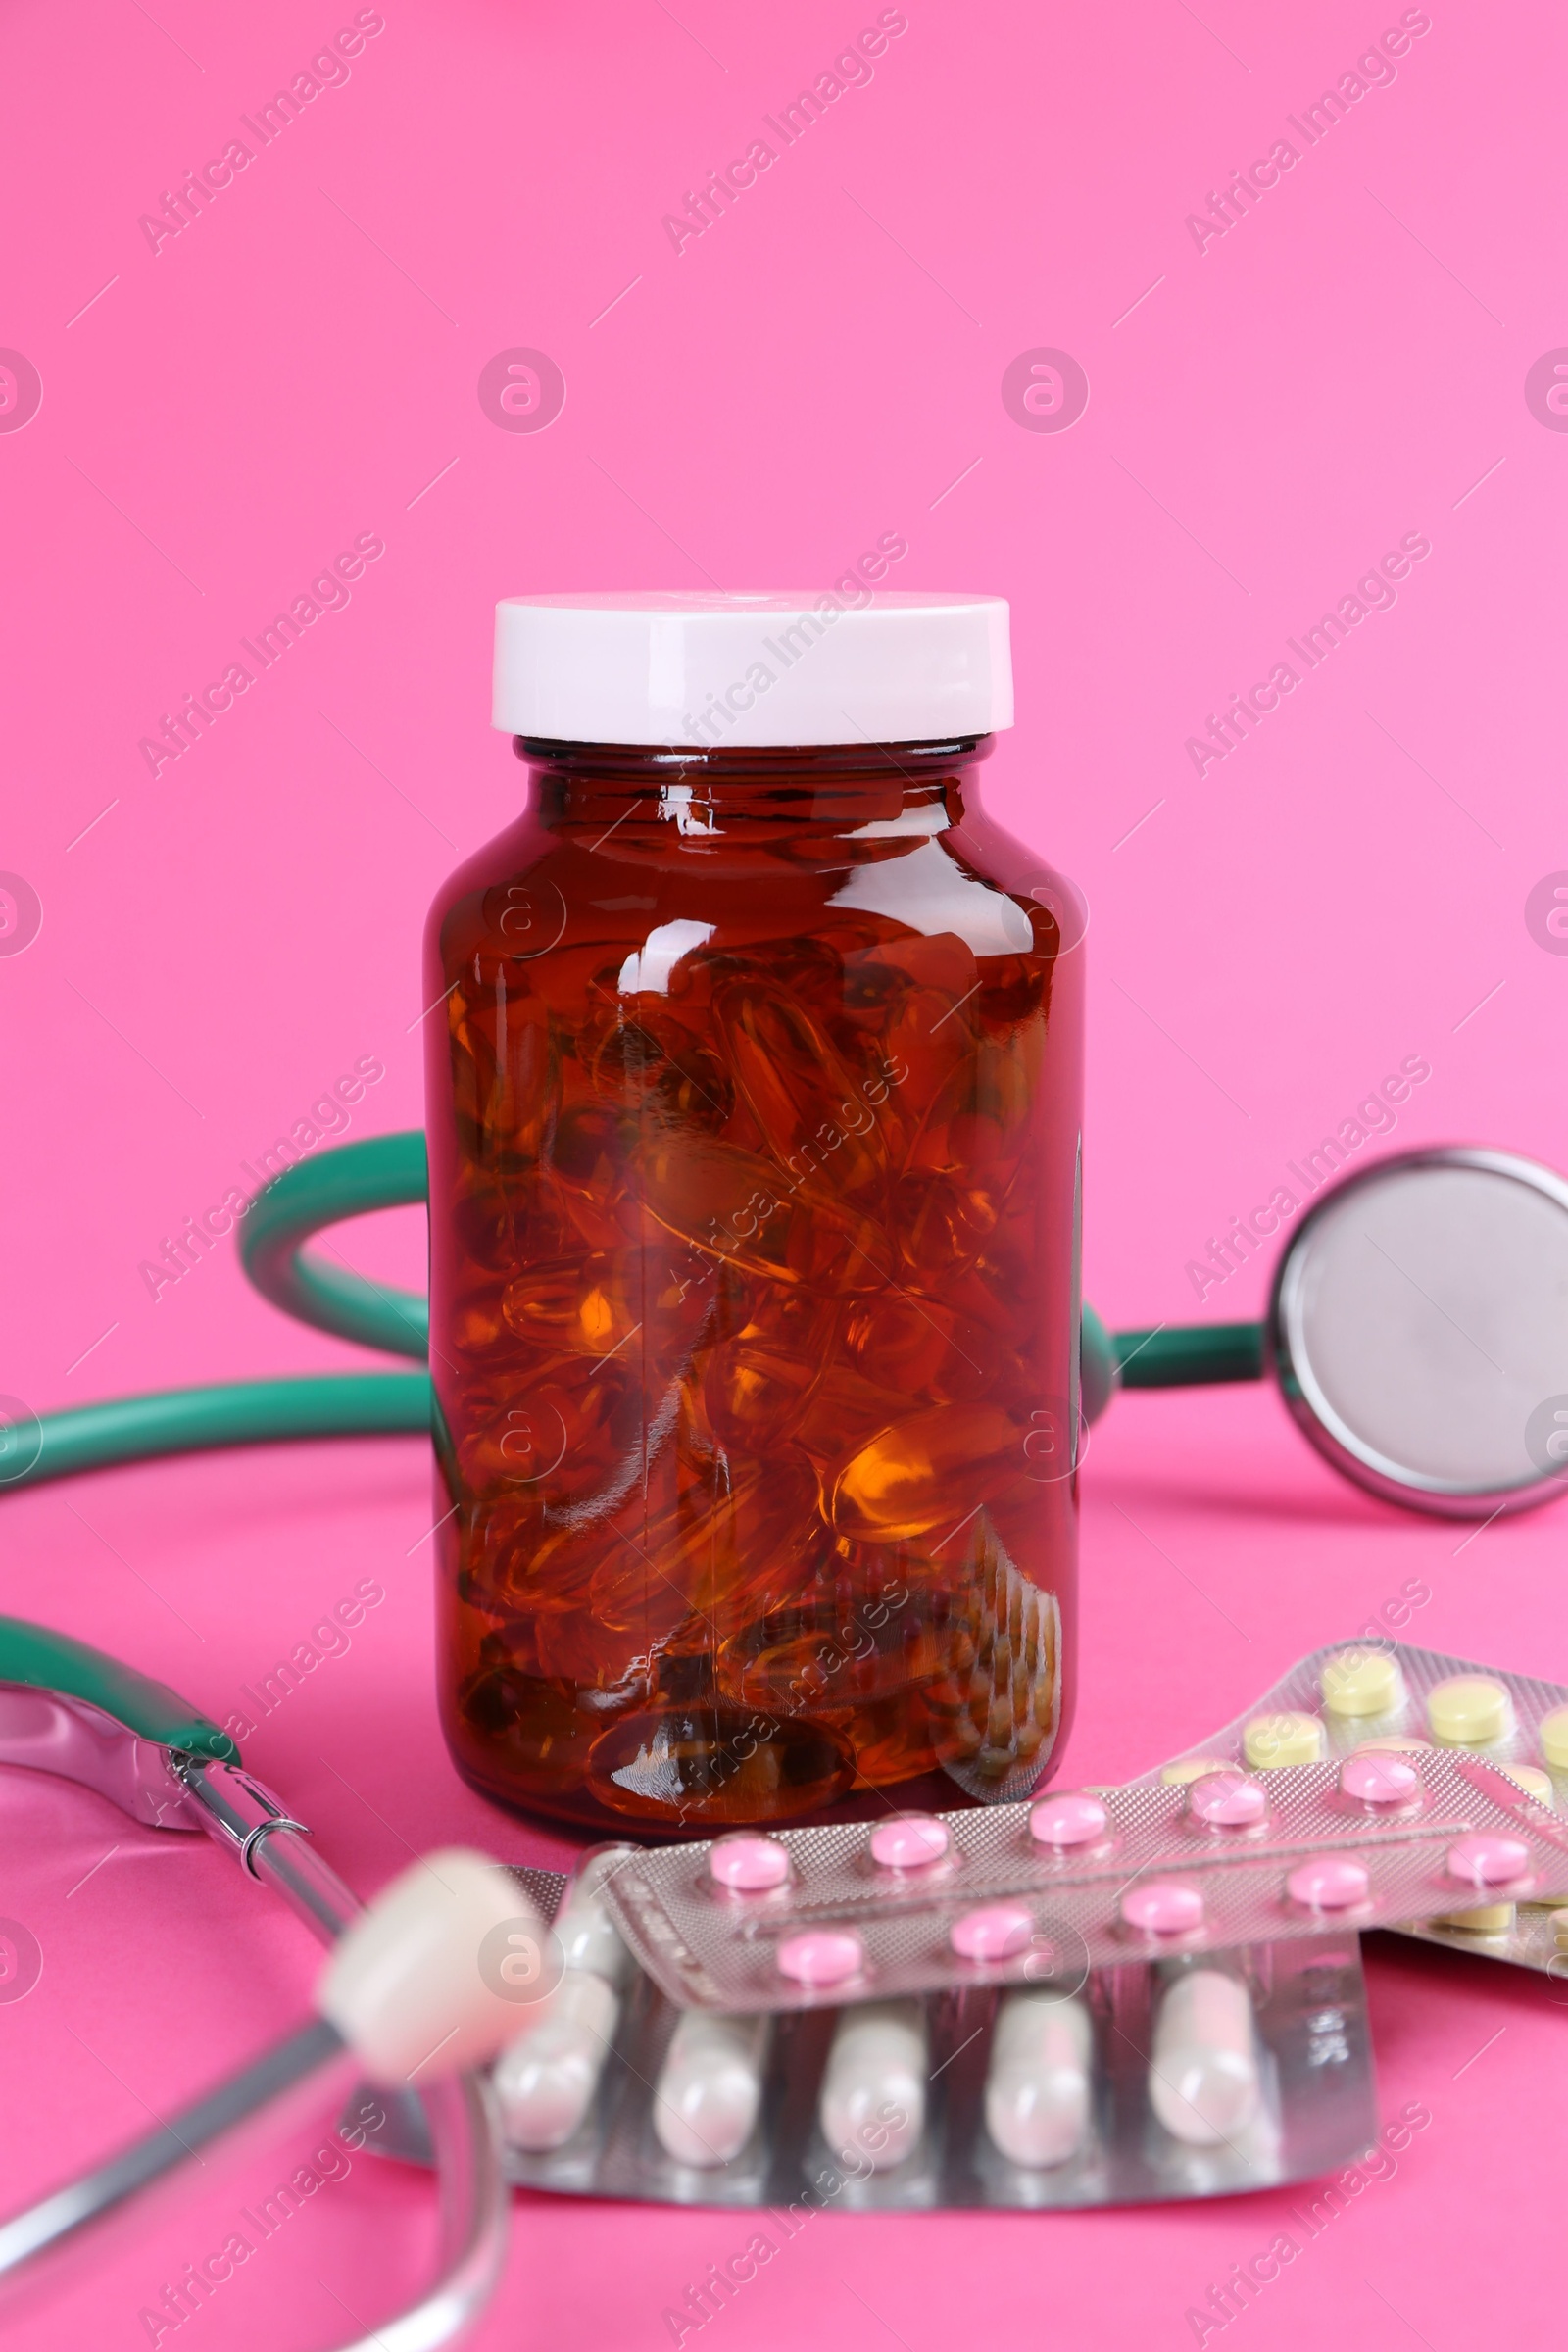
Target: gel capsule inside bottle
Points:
(754, 1115)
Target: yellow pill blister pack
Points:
(1386, 1696)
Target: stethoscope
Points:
(71, 1711)
(1417, 1331)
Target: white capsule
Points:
(547, 2077)
(583, 1926)
(1202, 2071)
(1037, 2088)
(873, 2105)
(707, 2098)
(544, 2080)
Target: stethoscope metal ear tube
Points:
(238, 1813)
(51, 2225)
(79, 1714)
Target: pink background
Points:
(1266, 418)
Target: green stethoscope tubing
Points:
(391, 1171)
(44, 1660)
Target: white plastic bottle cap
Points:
(744, 670)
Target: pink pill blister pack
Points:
(1386, 1702)
(1041, 1893)
(1152, 2080)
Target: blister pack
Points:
(1040, 1893)
(1188, 2078)
(1388, 1698)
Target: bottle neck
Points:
(832, 788)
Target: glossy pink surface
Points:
(820, 1956)
(1482, 1858)
(1379, 1779)
(909, 1842)
(1227, 1800)
(1163, 1906)
(1331, 1882)
(1068, 1820)
(748, 1865)
(993, 1932)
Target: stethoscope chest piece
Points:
(1419, 1331)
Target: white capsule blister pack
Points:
(1040, 1893)
(1187, 2076)
(1103, 1996)
(1392, 1699)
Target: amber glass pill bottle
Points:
(753, 1112)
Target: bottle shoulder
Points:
(534, 886)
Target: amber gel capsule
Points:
(753, 1114)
